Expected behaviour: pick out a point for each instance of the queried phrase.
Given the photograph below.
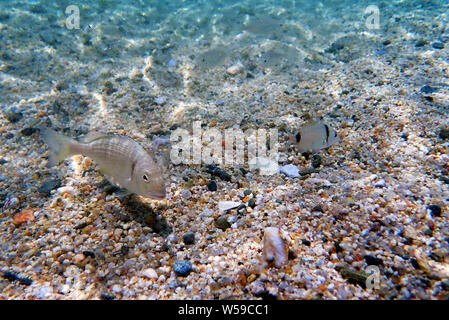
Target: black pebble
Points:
(242, 209)
(8, 275)
(305, 242)
(3, 161)
(438, 45)
(316, 161)
(25, 281)
(13, 116)
(107, 296)
(216, 171)
(49, 185)
(89, 254)
(189, 238)
(28, 131)
(317, 208)
(414, 263)
(435, 210)
(444, 133)
(371, 260)
(212, 186)
(252, 203)
(428, 89)
(421, 43)
(386, 42)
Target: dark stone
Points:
(428, 98)
(305, 242)
(124, 250)
(28, 131)
(216, 171)
(212, 186)
(107, 296)
(354, 277)
(421, 43)
(3, 161)
(317, 208)
(242, 209)
(316, 161)
(428, 89)
(89, 254)
(371, 260)
(435, 210)
(414, 263)
(386, 42)
(25, 281)
(222, 223)
(189, 238)
(247, 192)
(182, 268)
(11, 276)
(252, 203)
(338, 248)
(438, 45)
(13, 116)
(444, 133)
(49, 185)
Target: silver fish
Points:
(121, 159)
(315, 136)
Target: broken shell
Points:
(275, 248)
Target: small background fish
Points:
(314, 136)
(121, 159)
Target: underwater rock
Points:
(275, 249)
(235, 69)
(212, 185)
(438, 45)
(13, 116)
(222, 223)
(290, 170)
(435, 210)
(189, 238)
(49, 185)
(182, 268)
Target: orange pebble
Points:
(23, 217)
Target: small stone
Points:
(189, 238)
(386, 42)
(235, 69)
(247, 192)
(224, 206)
(435, 210)
(212, 185)
(359, 278)
(23, 217)
(171, 63)
(149, 273)
(428, 89)
(275, 249)
(182, 268)
(316, 161)
(305, 242)
(317, 208)
(252, 203)
(371, 260)
(421, 43)
(26, 132)
(186, 194)
(13, 116)
(438, 45)
(290, 170)
(107, 296)
(242, 209)
(222, 223)
(160, 100)
(444, 133)
(216, 171)
(49, 185)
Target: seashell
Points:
(275, 248)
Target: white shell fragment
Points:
(235, 69)
(227, 205)
(275, 249)
(290, 170)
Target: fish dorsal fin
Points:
(312, 123)
(93, 135)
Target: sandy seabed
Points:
(378, 198)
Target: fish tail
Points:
(60, 146)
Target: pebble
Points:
(421, 43)
(222, 223)
(275, 249)
(25, 216)
(189, 238)
(160, 100)
(444, 133)
(372, 260)
(216, 171)
(182, 268)
(428, 89)
(359, 278)
(290, 170)
(149, 273)
(316, 161)
(26, 132)
(186, 194)
(107, 296)
(435, 210)
(235, 69)
(212, 185)
(227, 205)
(13, 116)
(438, 45)
(49, 185)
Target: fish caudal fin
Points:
(60, 146)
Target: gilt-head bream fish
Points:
(122, 160)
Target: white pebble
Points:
(275, 248)
(290, 170)
(150, 273)
(235, 69)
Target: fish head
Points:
(149, 180)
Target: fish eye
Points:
(145, 178)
